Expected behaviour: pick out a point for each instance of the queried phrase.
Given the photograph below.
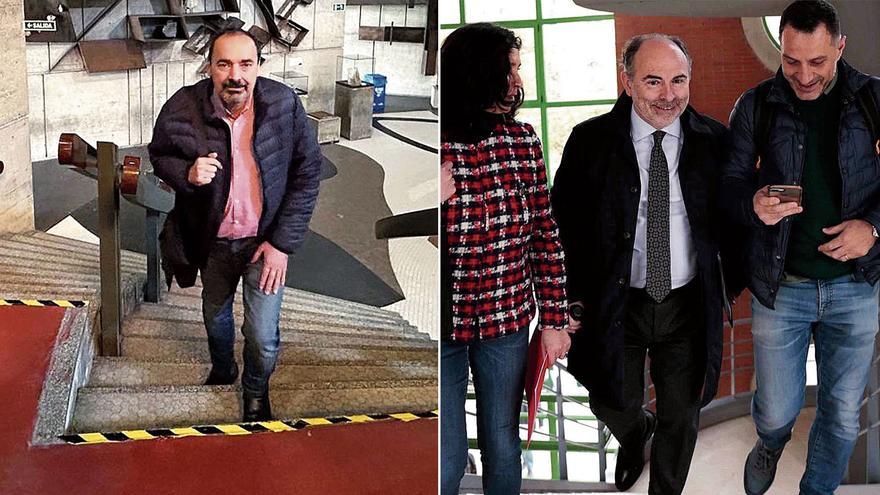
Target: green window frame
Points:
(540, 101)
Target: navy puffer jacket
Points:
(782, 163)
(286, 152)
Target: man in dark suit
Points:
(634, 200)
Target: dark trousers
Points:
(672, 334)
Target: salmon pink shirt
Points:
(245, 204)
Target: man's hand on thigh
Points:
(274, 271)
(853, 239)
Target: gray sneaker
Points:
(760, 469)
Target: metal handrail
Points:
(562, 445)
(140, 188)
(864, 465)
(584, 445)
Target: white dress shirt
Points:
(683, 259)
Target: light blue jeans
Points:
(228, 262)
(842, 317)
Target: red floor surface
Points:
(378, 458)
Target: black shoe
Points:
(631, 460)
(760, 469)
(257, 409)
(222, 378)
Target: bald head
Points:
(655, 72)
(635, 44)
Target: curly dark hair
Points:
(474, 69)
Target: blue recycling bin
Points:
(378, 81)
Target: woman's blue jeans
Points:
(498, 366)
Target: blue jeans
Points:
(498, 366)
(841, 315)
(228, 262)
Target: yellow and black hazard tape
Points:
(239, 428)
(59, 303)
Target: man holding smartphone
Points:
(813, 262)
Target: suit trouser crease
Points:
(228, 262)
(672, 334)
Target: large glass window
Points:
(574, 73)
(771, 24)
(554, 9)
(568, 61)
(450, 12)
(498, 10)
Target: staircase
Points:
(337, 357)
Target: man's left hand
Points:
(274, 267)
(854, 239)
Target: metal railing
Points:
(551, 407)
(137, 186)
(864, 465)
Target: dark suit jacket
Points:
(595, 200)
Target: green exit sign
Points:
(338, 6)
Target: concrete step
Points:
(132, 290)
(196, 351)
(125, 372)
(115, 409)
(187, 330)
(67, 244)
(75, 249)
(293, 300)
(55, 269)
(59, 272)
(300, 312)
(59, 267)
(48, 279)
(81, 258)
(196, 290)
(290, 318)
(31, 253)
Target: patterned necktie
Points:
(659, 280)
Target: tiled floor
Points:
(410, 185)
(717, 467)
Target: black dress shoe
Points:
(222, 378)
(631, 459)
(257, 409)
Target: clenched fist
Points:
(203, 170)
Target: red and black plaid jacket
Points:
(502, 238)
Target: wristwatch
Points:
(576, 311)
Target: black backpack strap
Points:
(867, 103)
(763, 118)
